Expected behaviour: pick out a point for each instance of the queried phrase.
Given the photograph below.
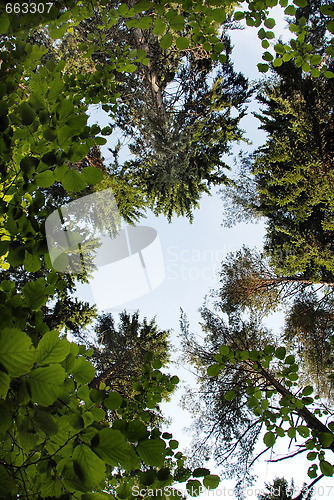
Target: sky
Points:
(192, 254)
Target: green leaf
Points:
(173, 444)
(326, 439)
(147, 477)
(111, 446)
(269, 439)
(270, 23)
(201, 472)
(193, 487)
(328, 10)
(45, 179)
(152, 451)
(312, 455)
(34, 293)
(142, 6)
(277, 62)
(91, 175)
(224, 350)
(156, 364)
(49, 134)
(102, 140)
(307, 390)
(129, 68)
(56, 89)
(91, 466)
(315, 59)
(82, 370)
(123, 9)
(289, 360)
(315, 72)
(27, 113)
(330, 26)
(59, 172)
(7, 483)
(182, 43)
(4, 247)
(239, 15)
(46, 384)
(17, 353)
(177, 22)
(159, 27)
(267, 56)
(4, 385)
(279, 48)
(45, 422)
(303, 431)
(312, 471)
(280, 432)
(326, 468)
(300, 3)
(52, 349)
(211, 481)
(6, 419)
(230, 395)
(108, 130)
(136, 431)
(264, 404)
(280, 353)
(218, 15)
(4, 23)
(166, 41)
(72, 181)
(219, 47)
(261, 34)
(113, 401)
(263, 68)
(64, 134)
(32, 262)
(213, 370)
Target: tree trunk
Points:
(150, 73)
(312, 422)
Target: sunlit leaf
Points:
(46, 384)
(17, 353)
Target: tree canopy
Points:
(67, 431)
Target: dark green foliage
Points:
(294, 173)
(309, 332)
(178, 146)
(57, 441)
(122, 350)
(289, 180)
